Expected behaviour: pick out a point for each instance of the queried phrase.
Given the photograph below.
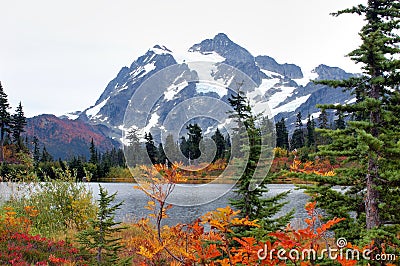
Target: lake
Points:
(190, 201)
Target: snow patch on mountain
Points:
(174, 89)
(206, 88)
(93, 111)
(142, 70)
(291, 106)
(267, 84)
(308, 76)
(195, 56)
(153, 121)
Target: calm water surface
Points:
(199, 198)
(190, 201)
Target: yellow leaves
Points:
(244, 222)
(329, 173)
(149, 254)
(150, 205)
(223, 219)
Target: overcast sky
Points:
(58, 56)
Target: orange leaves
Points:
(31, 211)
(308, 239)
(319, 167)
(10, 222)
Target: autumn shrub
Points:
(25, 249)
(19, 247)
(10, 222)
(62, 203)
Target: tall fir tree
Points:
(297, 140)
(36, 150)
(93, 153)
(370, 142)
(134, 151)
(323, 119)
(184, 147)
(18, 123)
(339, 121)
(220, 143)
(193, 141)
(251, 201)
(171, 149)
(310, 132)
(282, 135)
(151, 148)
(5, 120)
(162, 157)
(46, 156)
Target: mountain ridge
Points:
(285, 88)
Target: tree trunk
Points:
(371, 200)
(372, 197)
(2, 146)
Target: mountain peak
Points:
(160, 49)
(331, 73)
(222, 45)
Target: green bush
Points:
(119, 173)
(62, 204)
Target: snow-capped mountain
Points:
(284, 87)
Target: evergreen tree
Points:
(76, 165)
(193, 142)
(310, 132)
(184, 146)
(36, 150)
(219, 141)
(171, 149)
(339, 122)
(18, 122)
(251, 200)
(99, 237)
(151, 148)
(162, 158)
(267, 131)
(323, 119)
(93, 153)
(121, 158)
(5, 120)
(134, 150)
(371, 142)
(46, 156)
(297, 140)
(282, 135)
